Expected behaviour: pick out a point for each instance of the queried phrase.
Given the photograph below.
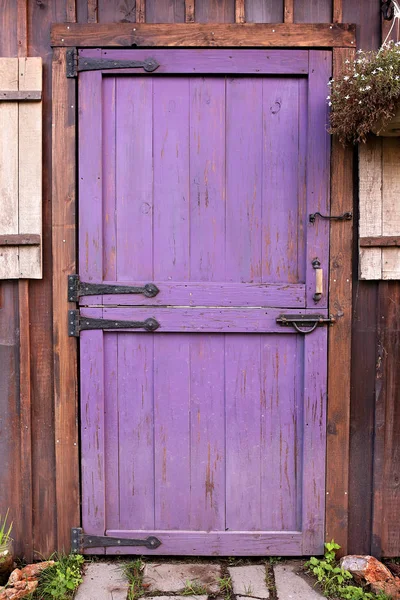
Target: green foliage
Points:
(5, 530)
(335, 581)
(134, 572)
(193, 589)
(225, 587)
(367, 93)
(59, 581)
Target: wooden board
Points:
(390, 205)
(9, 167)
(339, 357)
(64, 256)
(242, 35)
(370, 219)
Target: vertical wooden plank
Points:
(134, 178)
(338, 11)
(240, 11)
(111, 430)
(136, 431)
(370, 194)
(92, 9)
(215, 11)
(189, 11)
(116, 12)
(92, 430)
(30, 167)
(22, 27)
(64, 257)
(9, 167)
(264, 11)
(207, 432)
(339, 355)
(312, 11)
(165, 11)
(390, 205)
(243, 441)
(172, 430)
(288, 11)
(70, 10)
(40, 18)
(109, 176)
(244, 156)
(367, 17)
(140, 11)
(314, 443)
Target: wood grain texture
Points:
(140, 11)
(215, 11)
(370, 216)
(339, 355)
(166, 11)
(189, 11)
(20, 239)
(264, 11)
(338, 11)
(390, 206)
(312, 11)
(379, 241)
(367, 16)
(92, 8)
(9, 265)
(65, 361)
(288, 11)
(240, 16)
(70, 11)
(30, 167)
(201, 34)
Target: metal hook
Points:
(387, 9)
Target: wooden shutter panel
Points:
(379, 242)
(20, 168)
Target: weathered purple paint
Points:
(209, 432)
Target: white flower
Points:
(356, 75)
(374, 72)
(347, 62)
(328, 97)
(362, 76)
(359, 51)
(329, 103)
(347, 97)
(346, 78)
(368, 87)
(362, 89)
(360, 102)
(380, 69)
(391, 67)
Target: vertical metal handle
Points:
(319, 279)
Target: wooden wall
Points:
(27, 411)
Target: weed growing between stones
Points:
(60, 581)
(194, 589)
(225, 587)
(335, 581)
(133, 571)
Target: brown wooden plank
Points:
(22, 27)
(64, 257)
(288, 12)
(70, 10)
(20, 239)
(240, 16)
(264, 11)
(339, 357)
(189, 11)
(140, 11)
(244, 35)
(312, 11)
(165, 11)
(338, 11)
(215, 11)
(40, 18)
(362, 414)
(380, 241)
(92, 8)
(366, 15)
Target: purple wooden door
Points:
(208, 433)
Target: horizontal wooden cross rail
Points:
(250, 35)
(21, 95)
(20, 239)
(380, 241)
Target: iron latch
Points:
(311, 322)
(347, 216)
(76, 63)
(78, 323)
(80, 541)
(78, 288)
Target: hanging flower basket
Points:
(366, 98)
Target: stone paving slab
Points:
(249, 581)
(103, 581)
(173, 577)
(290, 586)
(176, 597)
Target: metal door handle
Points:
(319, 278)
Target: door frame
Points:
(340, 38)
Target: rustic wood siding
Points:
(375, 417)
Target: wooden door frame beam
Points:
(64, 263)
(251, 35)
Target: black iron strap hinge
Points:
(304, 323)
(78, 323)
(76, 63)
(80, 541)
(78, 288)
(347, 216)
